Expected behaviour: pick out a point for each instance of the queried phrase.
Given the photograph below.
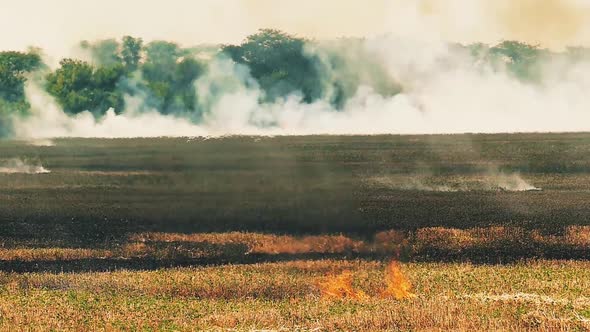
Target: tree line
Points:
(164, 73)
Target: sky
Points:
(57, 25)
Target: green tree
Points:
(187, 71)
(79, 87)
(131, 52)
(13, 69)
(169, 73)
(278, 62)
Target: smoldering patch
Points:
(20, 166)
(41, 142)
(491, 181)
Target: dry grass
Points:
(414, 245)
(456, 238)
(538, 295)
(262, 243)
(546, 295)
(51, 254)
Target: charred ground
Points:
(294, 185)
(102, 191)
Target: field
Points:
(240, 233)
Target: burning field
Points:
(536, 295)
(322, 233)
(340, 286)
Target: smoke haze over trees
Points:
(13, 68)
(272, 74)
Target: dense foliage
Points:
(283, 64)
(14, 67)
(79, 87)
(279, 62)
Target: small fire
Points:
(340, 286)
(398, 286)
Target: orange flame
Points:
(340, 287)
(398, 286)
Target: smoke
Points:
(553, 23)
(58, 24)
(443, 90)
(491, 179)
(47, 120)
(406, 77)
(16, 165)
(512, 182)
(415, 182)
(41, 142)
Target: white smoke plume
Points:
(444, 91)
(16, 165)
(490, 180)
(47, 120)
(41, 142)
(511, 182)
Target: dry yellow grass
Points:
(262, 243)
(237, 244)
(458, 238)
(549, 295)
(536, 295)
(388, 242)
(51, 254)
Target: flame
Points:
(398, 286)
(340, 287)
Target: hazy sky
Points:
(56, 25)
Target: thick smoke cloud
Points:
(443, 90)
(407, 76)
(48, 120)
(58, 24)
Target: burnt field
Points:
(528, 192)
(101, 189)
